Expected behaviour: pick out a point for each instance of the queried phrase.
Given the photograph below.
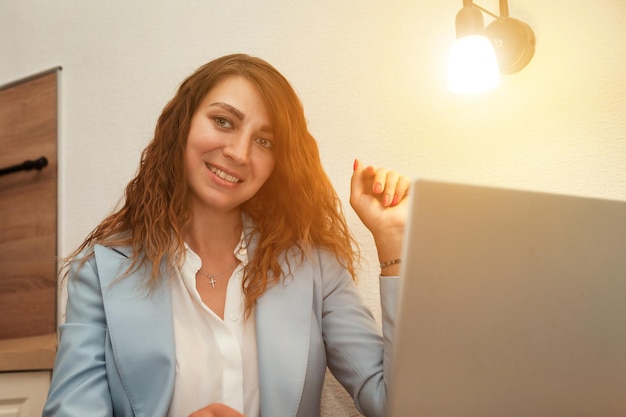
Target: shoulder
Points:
(329, 262)
(100, 253)
(327, 271)
(109, 259)
(95, 264)
(111, 253)
(316, 264)
(104, 264)
(320, 259)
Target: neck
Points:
(214, 236)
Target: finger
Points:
(402, 190)
(359, 183)
(390, 186)
(362, 178)
(356, 183)
(380, 178)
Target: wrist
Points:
(390, 267)
(388, 250)
(390, 262)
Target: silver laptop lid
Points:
(513, 304)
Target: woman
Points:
(224, 283)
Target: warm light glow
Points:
(473, 67)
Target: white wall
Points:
(371, 76)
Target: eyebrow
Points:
(239, 114)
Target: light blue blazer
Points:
(116, 354)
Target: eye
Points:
(222, 122)
(264, 142)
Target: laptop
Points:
(513, 303)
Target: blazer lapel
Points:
(141, 331)
(283, 324)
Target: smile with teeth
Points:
(223, 175)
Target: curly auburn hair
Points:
(296, 209)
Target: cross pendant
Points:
(212, 282)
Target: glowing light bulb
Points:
(473, 67)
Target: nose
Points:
(237, 148)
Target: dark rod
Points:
(487, 11)
(37, 164)
(504, 8)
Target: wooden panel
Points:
(28, 208)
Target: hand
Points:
(216, 410)
(379, 198)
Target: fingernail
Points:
(378, 187)
(356, 164)
(396, 197)
(386, 199)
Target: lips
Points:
(223, 175)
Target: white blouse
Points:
(216, 360)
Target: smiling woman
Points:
(224, 286)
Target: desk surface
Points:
(28, 354)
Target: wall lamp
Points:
(480, 54)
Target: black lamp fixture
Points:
(480, 54)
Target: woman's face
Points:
(229, 153)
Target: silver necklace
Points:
(212, 277)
